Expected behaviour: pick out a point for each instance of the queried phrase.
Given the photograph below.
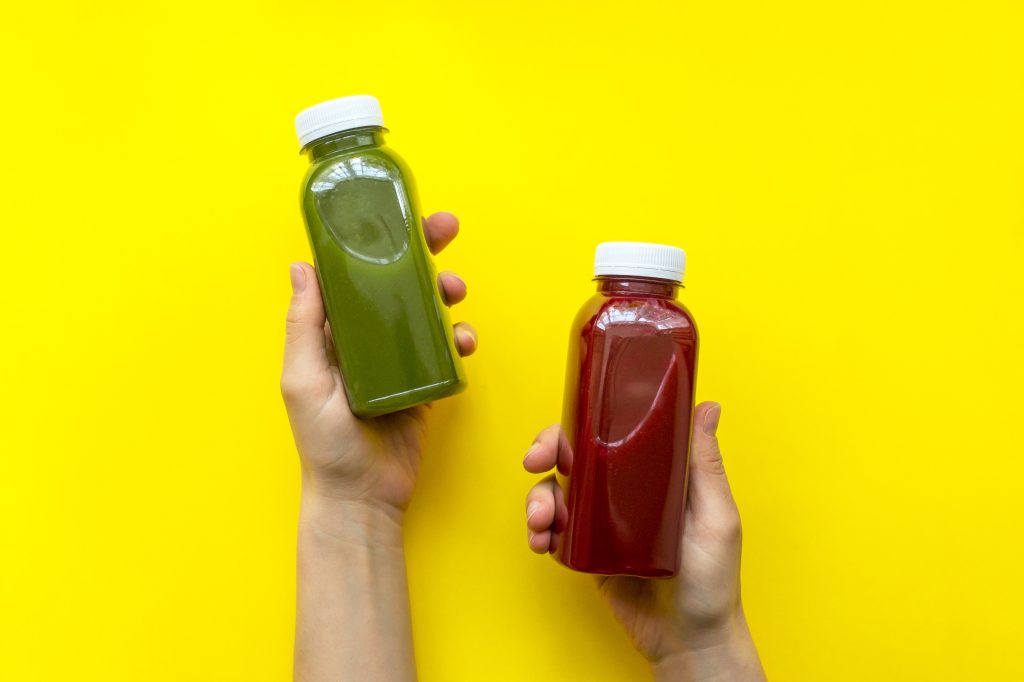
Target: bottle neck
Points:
(636, 286)
(344, 141)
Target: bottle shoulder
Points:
(379, 163)
(646, 314)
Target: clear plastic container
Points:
(390, 328)
(628, 412)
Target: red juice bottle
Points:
(627, 415)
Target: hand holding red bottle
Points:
(688, 627)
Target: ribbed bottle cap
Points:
(638, 259)
(336, 115)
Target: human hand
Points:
(689, 627)
(371, 462)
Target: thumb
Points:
(717, 528)
(305, 347)
(707, 471)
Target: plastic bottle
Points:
(390, 328)
(628, 412)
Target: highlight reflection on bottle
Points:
(627, 415)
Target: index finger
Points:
(440, 229)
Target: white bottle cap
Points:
(638, 259)
(336, 115)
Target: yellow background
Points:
(846, 179)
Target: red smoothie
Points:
(627, 416)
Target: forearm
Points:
(733, 658)
(352, 620)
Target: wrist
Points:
(352, 598)
(350, 522)
(728, 655)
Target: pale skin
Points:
(352, 616)
(691, 627)
(352, 613)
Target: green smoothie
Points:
(391, 331)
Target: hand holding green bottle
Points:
(357, 460)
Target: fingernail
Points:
(298, 278)
(711, 417)
(532, 509)
(533, 449)
(465, 340)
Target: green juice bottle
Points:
(390, 328)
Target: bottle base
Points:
(623, 570)
(376, 407)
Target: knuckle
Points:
(293, 387)
(296, 386)
(732, 527)
(293, 321)
(711, 458)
